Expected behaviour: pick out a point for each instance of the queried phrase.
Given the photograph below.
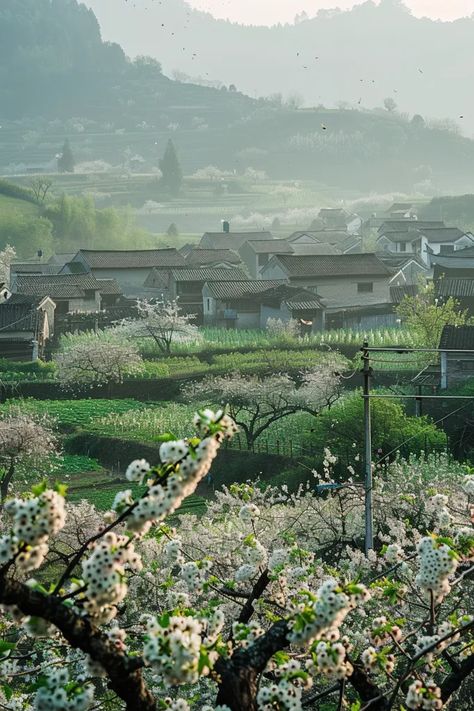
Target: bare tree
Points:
(41, 187)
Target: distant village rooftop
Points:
(131, 259)
(333, 265)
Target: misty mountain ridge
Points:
(362, 55)
(58, 78)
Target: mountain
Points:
(366, 54)
(59, 79)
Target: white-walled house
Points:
(424, 241)
(355, 288)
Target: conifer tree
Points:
(66, 161)
(170, 167)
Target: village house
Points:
(426, 242)
(343, 242)
(233, 304)
(187, 285)
(406, 269)
(131, 269)
(459, 263)
(70, 292)
(354, 287)
(401, 211)
(338, 217)
(26, 325)
(256, 255)
(457, 361)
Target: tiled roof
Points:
(34, 268)
(294, 297)
(21, 317)
(405, 225)
(333, 265)
(398, 293)
(109, 287)
(240, 289)
(399, 260)
(316, 248)
(443, 234)
(132, 259)
(459, 288)
(231, 240)
(208, 274)
(269, 246)
(200, 256)
(403, 236)
(61, 286)
(457, 337)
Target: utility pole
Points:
(369, 523)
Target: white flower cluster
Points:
(191, 464)
(137, 471)
(59, 694)
(245, 634)
(174, 650)
(383, 632)
(194, 575)
(438, 505)
(34, 520)
(283, 696)
(468, 485)
(437, 563)
(426, 641)
(255, 556)
(317, 615)
(104, 575)
(330, 659)
(394, 554)
(278, 558)
(172, 552)
(248, 513)
(374, 660)
(426, 696)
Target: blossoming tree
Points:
(23, 440)
(96, 363)
(255, 403)
(163, 321)
(257, 605)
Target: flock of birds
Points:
(305, 67)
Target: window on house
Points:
(403, 246)
(262, 259)
(208, 304)
(365, 287)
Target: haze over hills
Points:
(59, 79)
(365, 54)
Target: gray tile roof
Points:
(60, 286)
(269, 246)
(405, 225)
(231, 240)
(240, 289)
(459, 288)
(132, 259)
(109, 287)
(443, 234)
(294, 297)
(22, 317)
(200, 256)
(338, 265)
(404, 236)
(316, 248)
(34, 268)
(208, 274)
(458, 337)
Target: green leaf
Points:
(6, 647)
(38, 489)
(8, 691)
(165, 437)
(61, 489)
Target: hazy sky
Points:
(271, 11)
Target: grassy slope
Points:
(10, 205)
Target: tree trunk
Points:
(237, 686)
(6, 481)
